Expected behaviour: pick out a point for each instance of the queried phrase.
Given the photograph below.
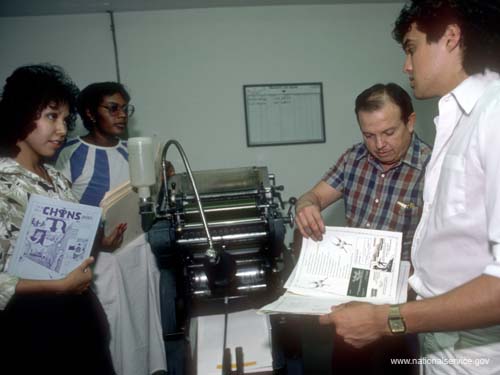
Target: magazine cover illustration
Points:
(55, 237)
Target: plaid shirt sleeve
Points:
(335, 175)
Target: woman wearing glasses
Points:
(98, 161)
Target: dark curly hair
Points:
(374, 98)
(91, 97)
(26, 93)
(478, 21)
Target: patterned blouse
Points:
(16, 186)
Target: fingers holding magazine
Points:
(310, 222)
(359, 323)
(78, 280)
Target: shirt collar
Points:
(11, 166)
(412, 157)
(470, 90)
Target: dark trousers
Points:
(375, 359)
(55, 334)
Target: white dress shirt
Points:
(458, 237)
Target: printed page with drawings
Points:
(55, 237)
(349, 264)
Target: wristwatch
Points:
(395, 320)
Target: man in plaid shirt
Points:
(381, 181)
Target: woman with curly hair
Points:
(46, 326)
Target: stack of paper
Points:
(121, 205)
(245, 329)
(349, 264)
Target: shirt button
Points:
(376, 200)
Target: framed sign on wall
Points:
(284, 113)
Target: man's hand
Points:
(78, 280)
(309, 221)
(359, 323)
(308, 210)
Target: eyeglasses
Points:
(114, 109)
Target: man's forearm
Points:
(475, 304)
(308, 199)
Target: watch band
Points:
(394, 312)
(395, 321)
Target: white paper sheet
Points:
(246, 329)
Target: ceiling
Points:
(14, 8)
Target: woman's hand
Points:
(78, 280)
(114, 240)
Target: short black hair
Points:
(376, 96)
(478, 21)
(26, 93)
(91, 97)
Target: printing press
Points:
(218, 236)
(245, 224)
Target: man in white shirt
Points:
(452, 52)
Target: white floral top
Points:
(16, 186)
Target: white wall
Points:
(185, 70)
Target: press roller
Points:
(242, 211)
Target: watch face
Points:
(397, 325)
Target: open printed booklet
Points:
(56, 236)
(349, 264)
(121, 205)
